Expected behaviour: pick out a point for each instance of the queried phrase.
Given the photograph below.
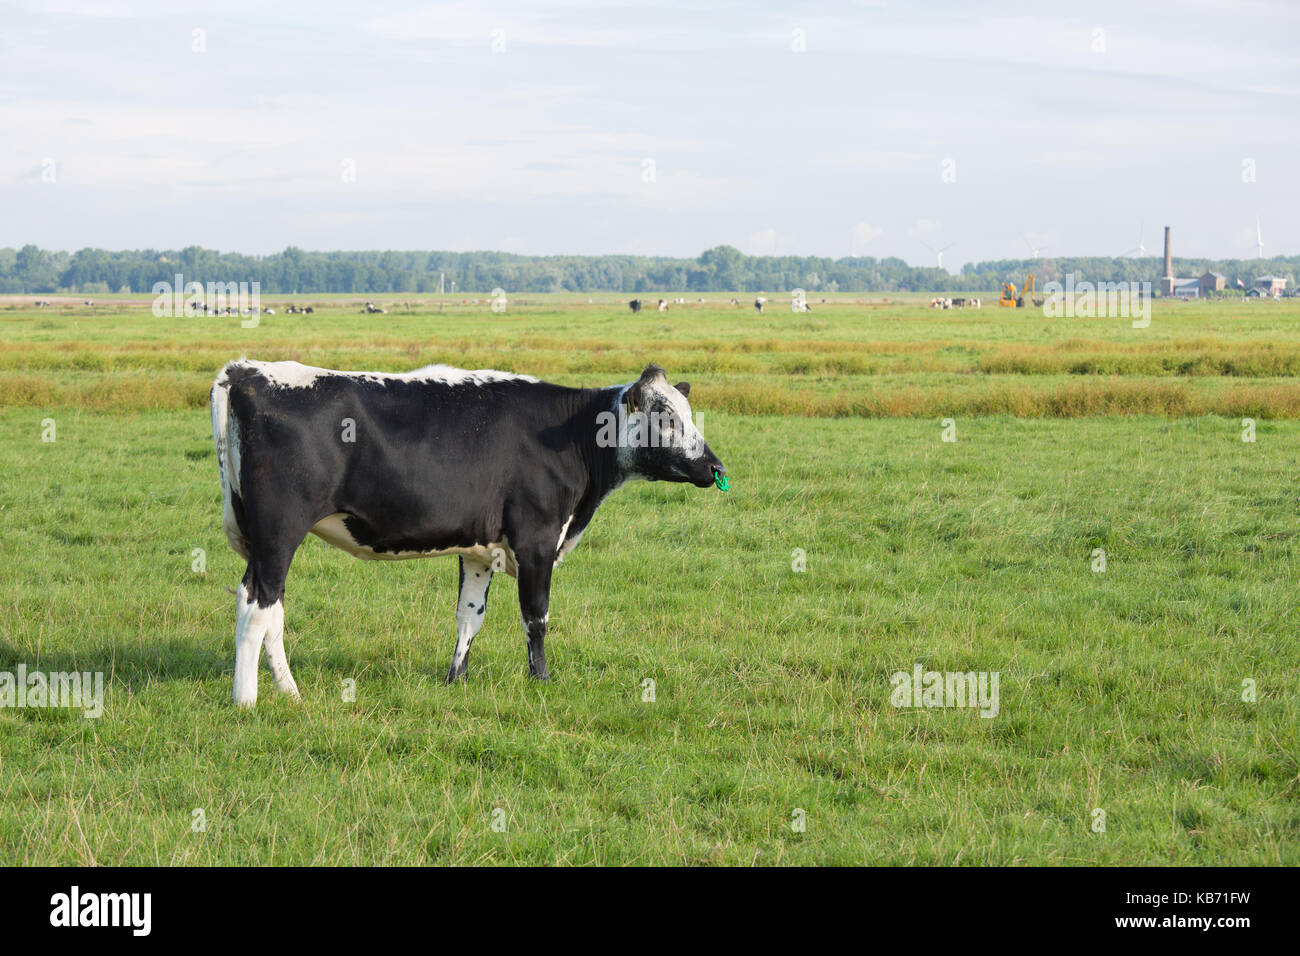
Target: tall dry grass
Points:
(773, 395)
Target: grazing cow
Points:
(635, 305)
(503, 470)
(663, 306)
(758, 304)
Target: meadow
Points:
(721, 662)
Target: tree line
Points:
(720, 269)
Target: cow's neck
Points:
(604, 473)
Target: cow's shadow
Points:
(124, 665)
(139, 668)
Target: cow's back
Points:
(419, 463)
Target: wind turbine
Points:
(1259, 240)
(938, 253)
(1140, 248)
(1033, 249)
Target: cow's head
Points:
(658, 439)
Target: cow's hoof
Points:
(543, 676)
(454, 675)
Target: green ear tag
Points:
(720, 480)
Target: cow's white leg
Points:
(475, 578)
(275, 656)
(251, 625)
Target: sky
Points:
(990, 130)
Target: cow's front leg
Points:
(475, 578)
(534, 604)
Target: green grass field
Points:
(771, 738)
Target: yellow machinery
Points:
(1011, 300)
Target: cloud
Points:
(766, 242)
(469, 23)
(545, 141)
(29, 175)
(99, 9)
(864, 232)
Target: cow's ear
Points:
(638, 394)
(653, 372)
(684, 388)
(633, 398)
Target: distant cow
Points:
(635, 305)
(503, 470)
(663, 305)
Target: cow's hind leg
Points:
(259, 618)
(276, 659)
(534, 607)
(252, 622)
(475, 579)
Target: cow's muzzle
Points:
(706, 468)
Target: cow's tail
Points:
(225, 435)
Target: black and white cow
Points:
(501, 469)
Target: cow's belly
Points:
(333, 531)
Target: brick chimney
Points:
(1167, 283)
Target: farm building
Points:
(1271, 285)
(1212, 282)
(1183, 287)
